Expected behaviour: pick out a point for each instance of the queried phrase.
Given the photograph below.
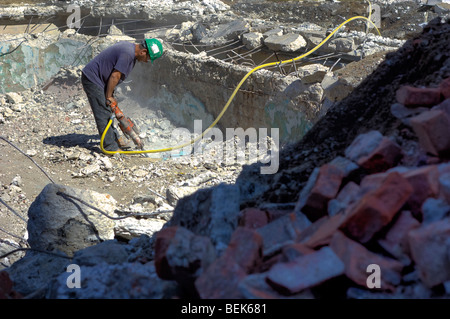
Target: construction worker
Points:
(103, 73)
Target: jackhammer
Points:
(127, 126)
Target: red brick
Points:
(221, 279)
(245, 247)
(282, 231)
(433, 130)
(253, 218)
(321, 231)
(292, 251)
(396, 240)
(357, 258)
(445, 88)
(385, 156)
(430, 246)
(424, 181)
(305, 271)
(374, 152)
(326, 187)
(376, 208)
(413, 96)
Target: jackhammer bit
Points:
(127, 126)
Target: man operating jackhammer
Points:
(101, 76)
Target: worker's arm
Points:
(111, 85)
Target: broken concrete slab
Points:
(252, 40)
(225, 32)
(129, 228)
(290, 42)
(312, 73)
(56, 221)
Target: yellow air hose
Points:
(232, 95)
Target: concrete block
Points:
(252, 40)
(289, 42)
(312, 73)
(276, 31)
(342, 45)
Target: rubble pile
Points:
(359, 208)
(394, 217)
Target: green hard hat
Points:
(155, 48)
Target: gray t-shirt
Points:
(120, 56)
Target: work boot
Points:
(123, 144)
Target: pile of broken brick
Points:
(393, 218)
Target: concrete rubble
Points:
(177, 226)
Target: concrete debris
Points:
(57, 222)
(287, 43)
(356, 204)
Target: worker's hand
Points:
(110, 100)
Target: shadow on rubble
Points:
(90, 142)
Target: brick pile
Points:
(365, 209)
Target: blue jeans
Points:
(102, 113)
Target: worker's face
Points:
(143, 56)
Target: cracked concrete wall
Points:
(36, 61)
(190, 87)
(186, 87)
